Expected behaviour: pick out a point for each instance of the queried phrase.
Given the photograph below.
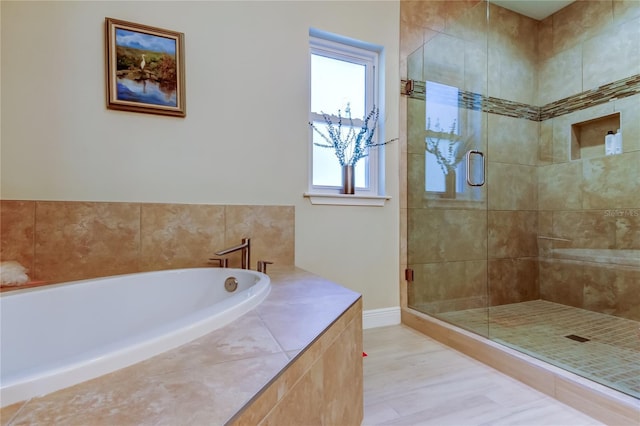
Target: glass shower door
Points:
(446, 201)
(544, 258)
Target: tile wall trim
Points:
(474, 101)
(618, 89)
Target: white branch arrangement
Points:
(451, 155)
(350, 146)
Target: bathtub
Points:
(56, 336)
(624, 257)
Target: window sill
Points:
(347, 200)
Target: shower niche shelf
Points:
(587, 137)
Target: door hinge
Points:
(408, 274)
(406, 87)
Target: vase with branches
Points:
(449, 148)
(349, 143)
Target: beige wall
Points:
(244, 140)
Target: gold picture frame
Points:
(145, 69)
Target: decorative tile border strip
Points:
(474, 101)
(511, 108)
(470, 100)
(603, 94)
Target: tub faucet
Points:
(222, 262)
(245, 247)
(262, 266)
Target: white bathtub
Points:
(59, 335)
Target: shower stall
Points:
(521, 225)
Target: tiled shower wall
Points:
(67, 240)
(592, 202)
(534, 187)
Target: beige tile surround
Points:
(295, 359)
(61, 241)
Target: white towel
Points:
(12, 273)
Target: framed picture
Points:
(145, 69)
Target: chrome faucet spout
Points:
(245, 247)
(230, 250)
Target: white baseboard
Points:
(380, 317)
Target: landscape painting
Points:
(145, 69)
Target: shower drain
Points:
(577, 338)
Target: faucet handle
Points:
(222, 262)
(262, 265)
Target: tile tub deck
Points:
(263, 366)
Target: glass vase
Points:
(348, 180)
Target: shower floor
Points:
(610, 356)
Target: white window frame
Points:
(372, 57)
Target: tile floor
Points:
(609, 356)
(411, 379)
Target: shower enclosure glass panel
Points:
(545, 258)
(447, 217)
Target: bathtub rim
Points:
(36, 385)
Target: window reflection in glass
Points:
(442, 125)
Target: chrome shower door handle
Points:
(468, 160)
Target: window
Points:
(344, 79)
